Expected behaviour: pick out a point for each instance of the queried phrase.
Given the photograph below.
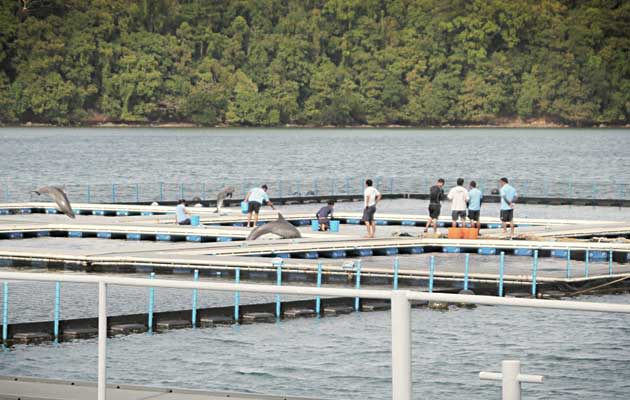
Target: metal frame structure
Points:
(400, 311)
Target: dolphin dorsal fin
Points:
(281, 217)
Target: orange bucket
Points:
(455, 233)
(471, 233)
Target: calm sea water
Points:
(582, 355)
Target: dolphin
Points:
(222, 195)
(278, 227)
(59, 197)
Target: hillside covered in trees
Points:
(314, 62)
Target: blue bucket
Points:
(334, 226)
(244, 206)
(194, 220)
(314, 225)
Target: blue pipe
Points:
(431, 272)
(161, 191)
(501, 272)
(298, 187)
(278, 283)
(5, 312)
(113, 192)
(396, 266)
(315, 186)
(7, 197)
(357, 284)
(586, 259)
(610, 261)
(534, 273)
(56, 312)
(466, 267)
(194, 300)
(137, 193)
(568, 263)
(237, 295)
(279, 188)
(318, 301)
(88, 195)
(151, 301)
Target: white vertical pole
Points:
(102, 341)
(510, 369)
(401, 346)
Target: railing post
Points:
(102, 341)
(137, 193)
(151, 302)
(610, 262)
(113, 192)
(466, 267)
(5, 312)
(357, 284)
(401, 346)
(56, 311)
(587, 258)
(534, 272)
(431, 273)
(237, 295)
(278, 265)
(396, 266)
(318, 300)
(194, 300)
(568, 263)
(88, 194)
(315, 190)
(501, 272)
(161, 192)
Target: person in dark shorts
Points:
(371, 197)
(324, 215)
(459, 202)
(436, 195)
(181, 214)
(255, 199)
(508, 198)
(474, 205)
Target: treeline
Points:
(320, 62)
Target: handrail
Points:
(400, 306)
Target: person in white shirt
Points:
(459, 197)
(256, 197)
(371, 197)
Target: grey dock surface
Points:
(14, 388)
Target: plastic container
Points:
(194, 220)
(334, 226)
(314, 225)
(471, 233)
(244, 207)
(455, 233)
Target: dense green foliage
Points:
(325, 62)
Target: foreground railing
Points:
(400, 310)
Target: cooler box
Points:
(244, 207)
(314, 225)
(194, 220)
(455, 233)
(470, 233)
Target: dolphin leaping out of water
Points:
(278, 227)
(59, 197)
(222, 195)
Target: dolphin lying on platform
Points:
(278, 227)
(222, 195)
(59, 197)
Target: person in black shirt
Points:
(324, 215)
(436, 195)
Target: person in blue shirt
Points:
(181, 214)
(325, 214)
(256, 197)
(508, 198)
(474, 205)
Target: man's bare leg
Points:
(255, 220)
(504, 227)
(511, 228)
(249, 218)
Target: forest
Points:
(314, 62)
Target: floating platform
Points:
(12, 387)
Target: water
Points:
(582, 355)
(556, 161)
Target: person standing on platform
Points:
(255, 199)
(371, 197)
(474, 205)
(436, 195)
(459, 200)
(508, 198)
(181, 214)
